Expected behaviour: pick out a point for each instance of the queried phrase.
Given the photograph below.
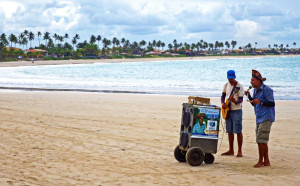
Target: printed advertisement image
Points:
(206, 122)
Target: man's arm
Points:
(269, 97)
(223, 97)
(240, 100)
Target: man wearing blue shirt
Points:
(264, 108)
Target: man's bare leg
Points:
(261, 152)
(231, 140)
(240, 144)
(266, 156)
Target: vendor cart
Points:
(199, 131)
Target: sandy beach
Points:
(73, 138)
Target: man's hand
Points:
(224, 105)
(233, 100)
(247, 93)
(255, 101)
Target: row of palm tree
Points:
(61, 42)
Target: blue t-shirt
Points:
(197, 129)
(263, 113)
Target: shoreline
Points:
(24, 89)
(89, 61)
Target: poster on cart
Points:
(206, 122)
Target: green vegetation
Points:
(57, 47)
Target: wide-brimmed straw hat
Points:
(258, 76)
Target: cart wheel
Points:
(195, 156)
(179, 154)
(209, 158)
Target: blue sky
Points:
(265, 22)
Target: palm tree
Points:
(98, 38)
(149, 46)
(3, 39)
(170, 47)
(211, 45)
(249, 45)
(233, 44)
(60, 39)
(25, 32)
(92, 39)
(163, 45)
(66, 36)
(13, 39)
(24, 41)
(197, 45)
(31, 37)
(105, 43)
(221, 45)
(123, 40)
(142, 43)
(50, 43)
(216, 44)
(294, 45)
(127, 43)
(281, 47)
(187, 46)
(77, 36)
(154, 43)
(205, 45)
(3, 43)
(227, 44)
(193, 46)
(175, 44)
(39, 34)
(114, 41)
(21, 36)
(158, 44)
(55, 36)
(46, 37)
(74, 41)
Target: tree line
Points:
(66, 46)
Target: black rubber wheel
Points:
(195, 156)
(209, 158)
(179, 154)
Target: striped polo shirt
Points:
(263, 113)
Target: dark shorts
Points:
(263, 132)
(234, 121)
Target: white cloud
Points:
(63, 17)
(189, 20)
(246, 29)
(11, 7)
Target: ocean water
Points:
(183, 77)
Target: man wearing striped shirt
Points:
(264, 108)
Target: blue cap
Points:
(230, 74)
